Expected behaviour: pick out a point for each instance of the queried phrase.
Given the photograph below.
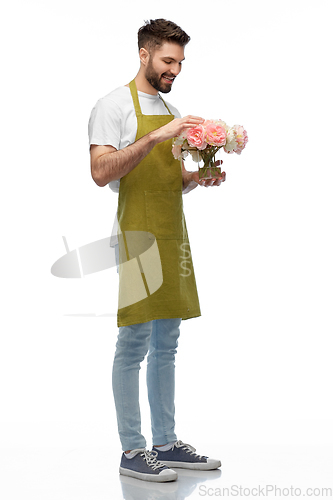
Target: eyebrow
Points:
(172, 58)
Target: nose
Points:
(176, 69)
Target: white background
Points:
(257, 366)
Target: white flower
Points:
(177, 151)
(221, 123)
(231, 142)
(196, 157)
(181, 138)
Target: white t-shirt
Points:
(113, 120)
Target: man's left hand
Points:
(208, 182)
(191, 179)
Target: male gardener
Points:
(131, 131)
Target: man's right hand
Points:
(108, 164)
(176, 127)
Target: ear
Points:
(144, 56)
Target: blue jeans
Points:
(160, 338)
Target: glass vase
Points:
(209, 166)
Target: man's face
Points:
(164, 65)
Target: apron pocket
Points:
(164, 210)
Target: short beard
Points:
(154, 80)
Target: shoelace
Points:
(187, 447)
(150, 458)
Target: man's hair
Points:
(157, 31)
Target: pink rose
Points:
(216, 134)
(196, 137)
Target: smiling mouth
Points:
(168, 79)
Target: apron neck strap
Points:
(165, 104)
(135, 98)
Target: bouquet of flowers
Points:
(203, 142)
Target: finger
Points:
(193, 117)
(189, 125)
(221, 178)
(193, 120)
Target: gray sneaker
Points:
(183, 455)
(145, 466)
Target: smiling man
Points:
(130, 132)
(167, 65)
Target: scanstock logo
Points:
(139, 265)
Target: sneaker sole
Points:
(156, 478)
(193, 465)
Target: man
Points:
(131, 131)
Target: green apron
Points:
(156, 276)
